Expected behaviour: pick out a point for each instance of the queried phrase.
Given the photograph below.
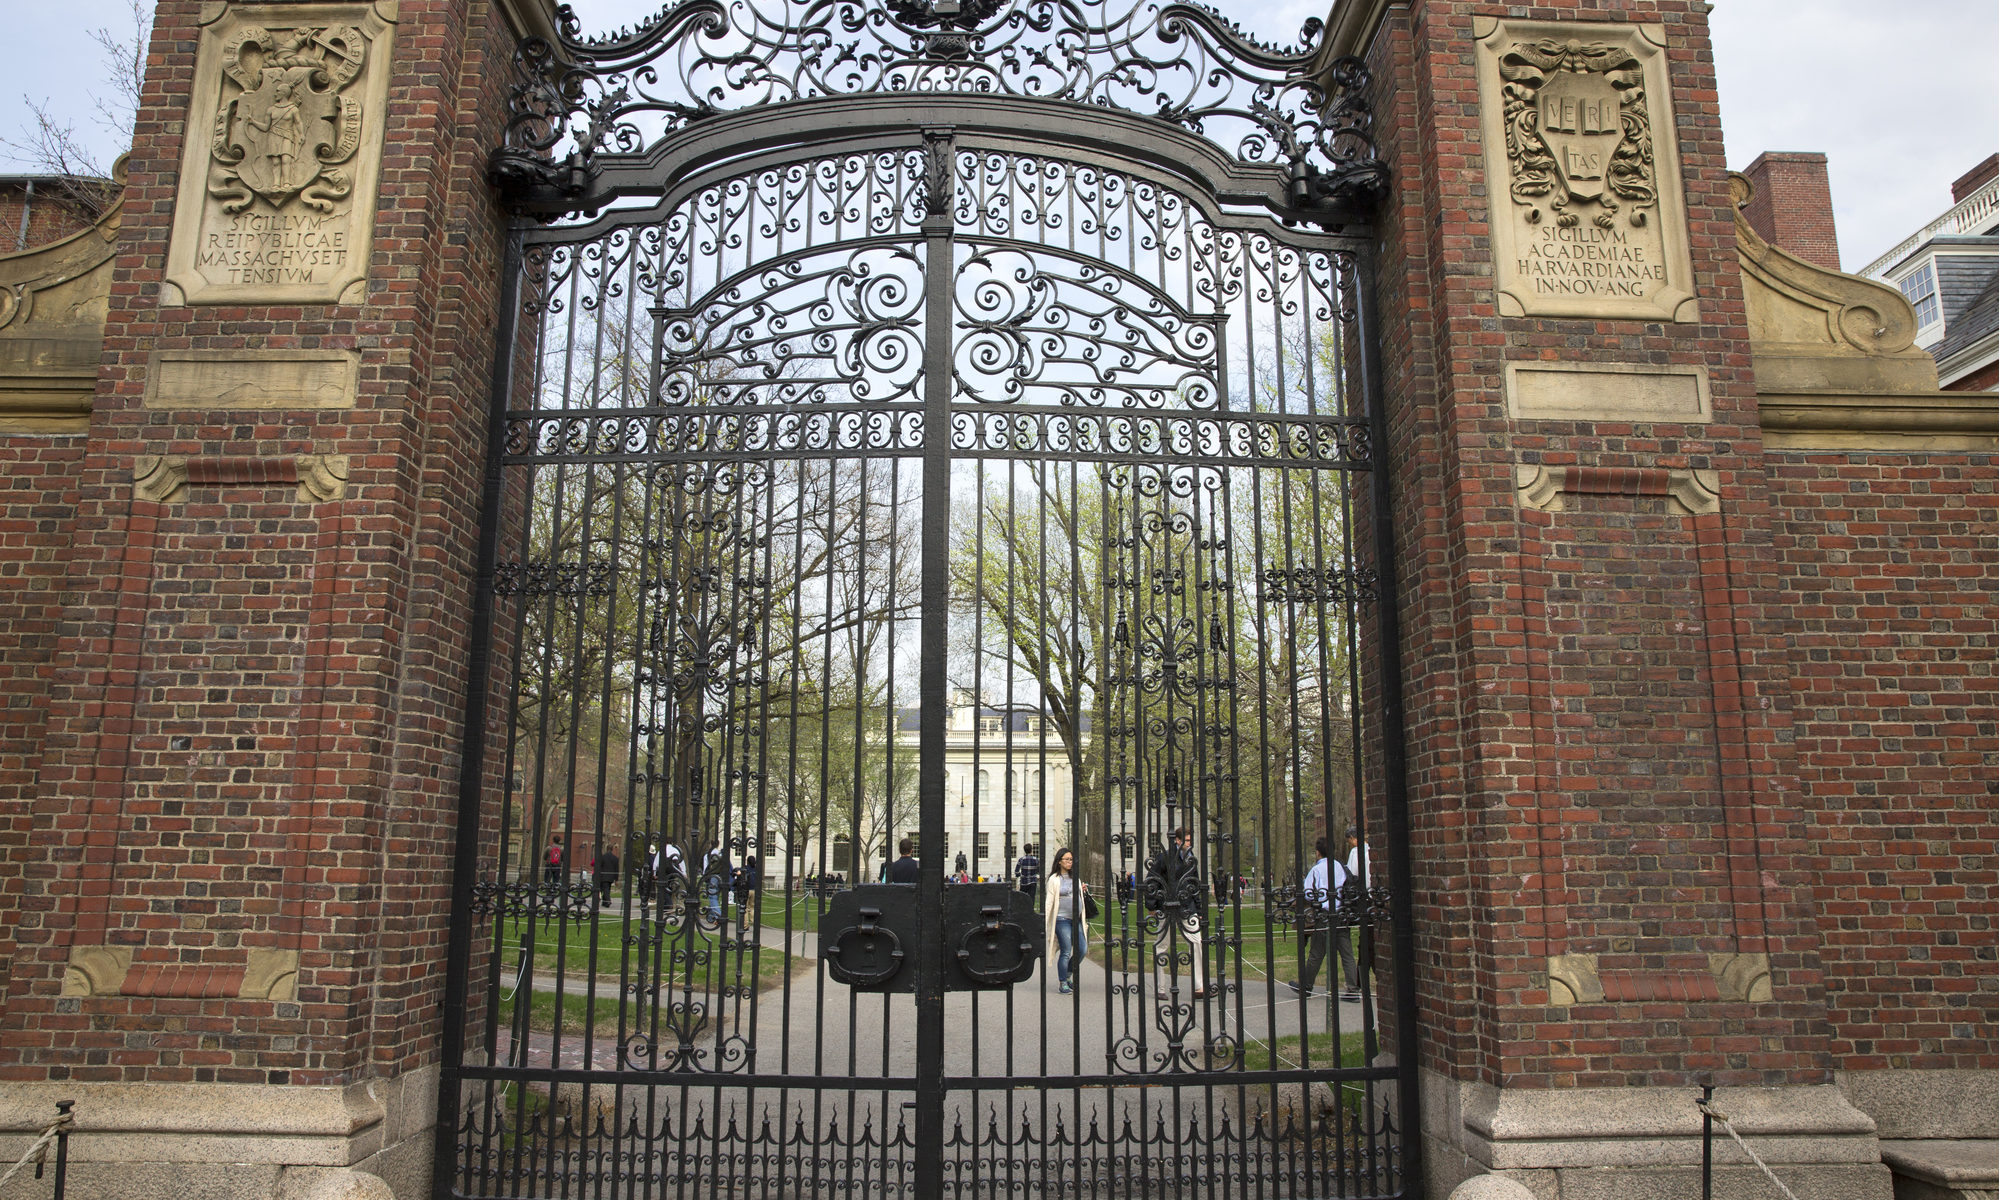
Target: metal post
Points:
(1394, 769)
(939, 266)
(472, 763)
(1707, 1143)
(62, 1124)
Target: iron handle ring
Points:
(993, 926)
(869, 928)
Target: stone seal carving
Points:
(278, 185)
(284, 134)
(1586, 208)
(1577, 130)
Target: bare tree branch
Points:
(47, 144)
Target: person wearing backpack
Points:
(552, 873)
(1319, 902)
(1028, 870)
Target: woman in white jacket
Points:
(1063, 914)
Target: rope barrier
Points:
(37, 1153)
(520, 977)
(1710, 1110)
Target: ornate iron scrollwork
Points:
(585, 103)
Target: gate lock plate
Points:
(992, 935)
(869, 937)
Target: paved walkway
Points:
(815, 1048)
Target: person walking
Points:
(1028, 870)
(1064, 914)
(716, 879)
(1354, 906)
(905, 869)
(1319, 903)
(669, 868)
(606, 868)
(552, 873)
(648, 880)
(1173, 877)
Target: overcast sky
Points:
(1899, 96)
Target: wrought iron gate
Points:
(932, 441)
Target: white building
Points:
(1949, 270)
(1008, 784)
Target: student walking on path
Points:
(1319, 904)
(1064, 914)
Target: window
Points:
(1920, 286)
(916, 842)
(985, 845)
(989, 725)
(1011, 845)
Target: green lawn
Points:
(802, 910)
(1289, 1053)
(573, 941)
(772, 968)
(1278, 960)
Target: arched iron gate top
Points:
(598, 120)
(1222, 504)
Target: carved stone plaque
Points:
(284, 149)
(1582, 171)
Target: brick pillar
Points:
(236, 887)
(1792, 206)
(1611, 898)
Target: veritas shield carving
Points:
(1587, 215)
(1578, 130)
(284, 135)
(1580, 124)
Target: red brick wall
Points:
(50, 213)
(37, 507)
(1984, 379)
(1527, 802)
(1791, 207)
(1892, 595)
(286, 778)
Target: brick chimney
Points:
(1792, 207)
(1974, 179)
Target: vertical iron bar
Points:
(62, 1145)
(939, 261)
(1393, 775)
(465, 853)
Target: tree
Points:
(47, 144)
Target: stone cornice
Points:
(1351, 27)
(1849, 421)
(529, 18)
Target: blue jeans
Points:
(1073, 938)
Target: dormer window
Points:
(1920, 286)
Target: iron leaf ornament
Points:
(587, 103)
